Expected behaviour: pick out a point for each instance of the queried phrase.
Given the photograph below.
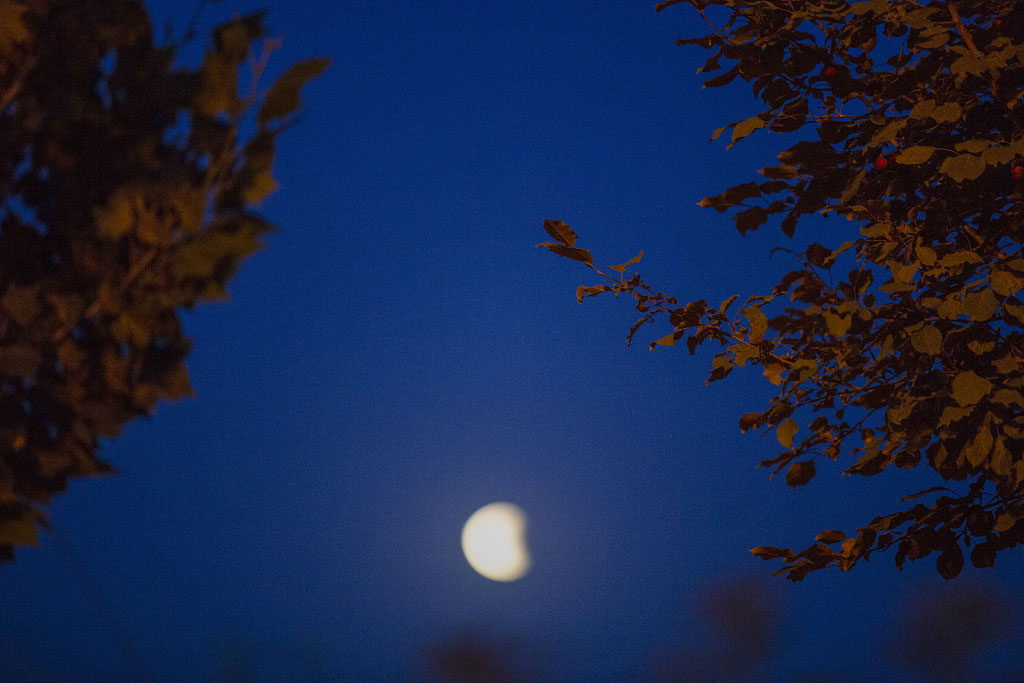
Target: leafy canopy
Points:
(902, 346)
(127, 194)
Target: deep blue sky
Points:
(401, 355)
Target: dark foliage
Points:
(128, 195)
(904, 345)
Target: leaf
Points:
(12, 28)
(998, 155)
(800, 473)
(928, 340)
(751, 420)
(19, 360)
(932, 41)
(950, 561)
(219, 92)
(575, 253)
(926, 255)
(912, 496)
(888, 132)
(979, 448)
(722, 78)
(773, 371)
(767, 552)
(750, 219)
(1001, 461)
(561, 232)
(622, 266)
(261, 186)
(667, 340)
(915, 155)
(838, 325)
(958, 258)
(283, 97)
(1005, 283)
(1005, 521)
(975, 146)
(819, 255)
(983, 555)
(830, 536)
(117, 218)
(21, 303)
(969, 388)
(583, 291)
(786, 431)
(758, 324)
(951, 308)
(963, 167)
(922, 109)
(176, 383)
(981, 305)
(725, 304)
(18, 528)
(947, 113)
(745, 128)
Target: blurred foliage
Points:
(128, 193)
(470, 658)
(903, 345)
(737, 630)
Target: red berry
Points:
(829, 71)
(1018, 173)
(881, 162)
(998, 22)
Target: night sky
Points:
(401, 354)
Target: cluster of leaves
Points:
(127, 194)
(911, 122)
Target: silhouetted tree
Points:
(904, 344)
(127, 194)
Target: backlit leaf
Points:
(978, 449)
(1005, 283)
(622, 266)
(969, 388)
(963, 167)
(117, 218)
(980, 305)
(928, 340)
(838, 325)
(786, 431)
(745, 128)
(972, 146)
(915, 155)
(283, 97)
(758, 324)
(946, 113)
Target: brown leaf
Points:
(561, 232)
(950, 561)
(574, 253)
(800, 473)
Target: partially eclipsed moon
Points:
(494, 541)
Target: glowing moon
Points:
(494, 542)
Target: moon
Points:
(494, 542)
